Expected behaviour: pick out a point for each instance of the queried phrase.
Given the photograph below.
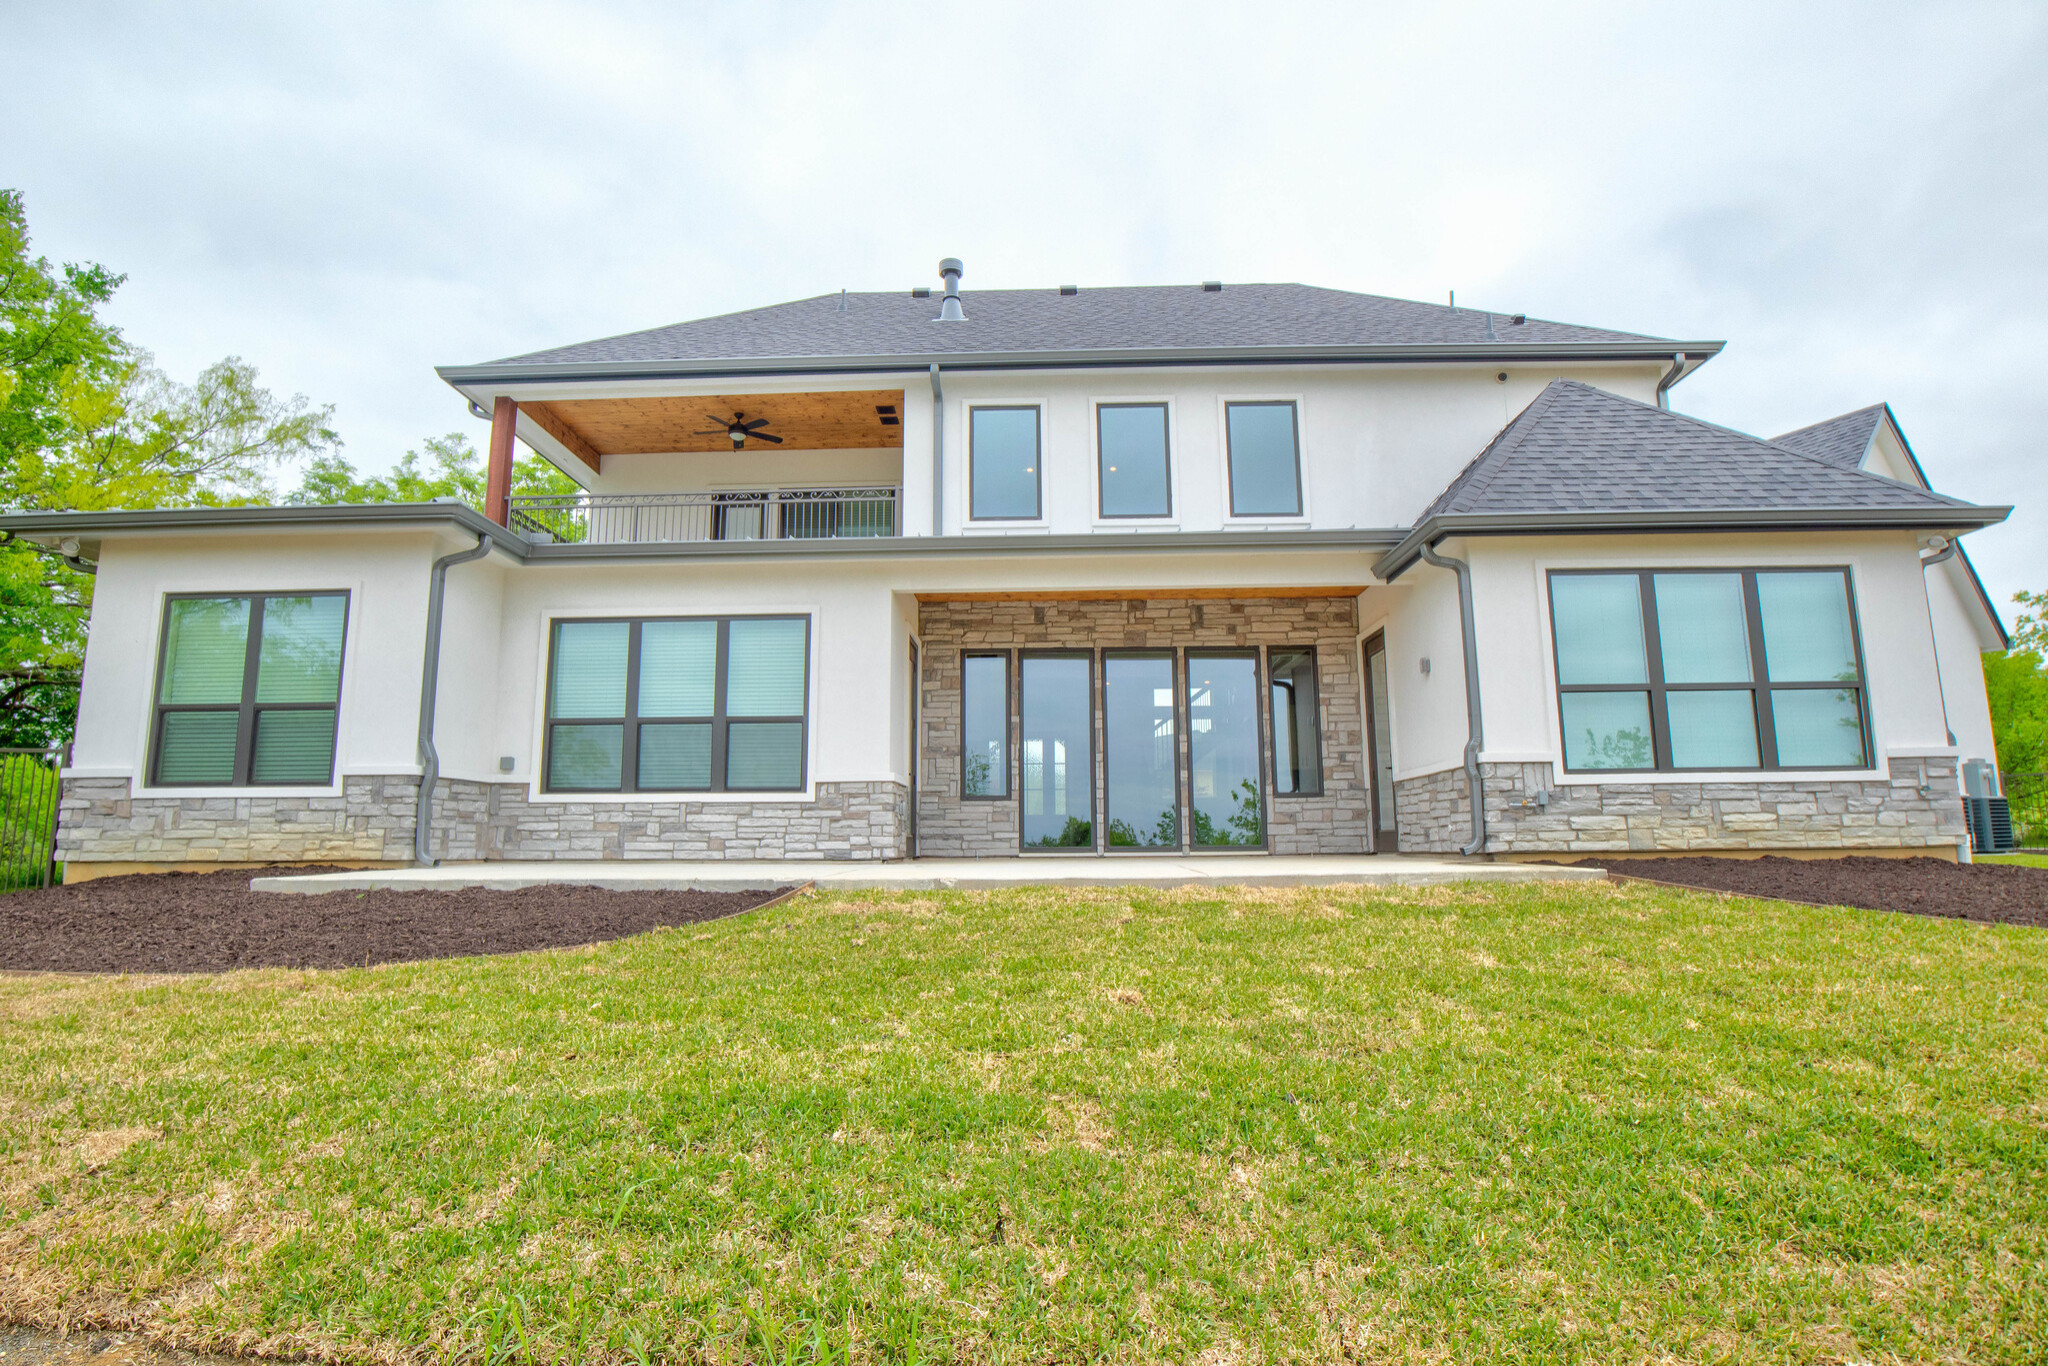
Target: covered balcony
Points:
(715, 467)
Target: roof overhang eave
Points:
(90, 527)
(475, 380)
(1955, 520)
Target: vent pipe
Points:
(950, 271)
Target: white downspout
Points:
(1474, 724)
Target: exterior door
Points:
(1379, 747)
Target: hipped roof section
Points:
(1170, 324)
(1581, 458)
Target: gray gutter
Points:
(970, 547)
(373, 516)
(1960, 517)
(562, 372)
(330, 517)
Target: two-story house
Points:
(1122, 571)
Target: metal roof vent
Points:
(1212, 286)
(1069, 291)
(950, 271)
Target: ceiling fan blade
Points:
(721, 421)
(763, 436)
(716, 431)
(757, 422)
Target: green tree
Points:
(87, 421)
(2016, 685)
(449, 468)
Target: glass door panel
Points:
(1227, 792)
(1140, 751)
(1058, 780)
(1379, 736)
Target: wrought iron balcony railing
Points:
(638, 518)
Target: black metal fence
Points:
(28, 816)
(2027, 796)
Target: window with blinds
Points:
(678, 704)
(248, 687)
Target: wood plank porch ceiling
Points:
(597, 427)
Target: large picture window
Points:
(1708, 669)
(678, 704)
(248, 689)
(1265, 460)
(1002, 464)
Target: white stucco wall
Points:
(1960, 637)
(385, 575)
(1517, 680)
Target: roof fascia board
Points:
(972, 547)
(1958, 519)
(496, 373)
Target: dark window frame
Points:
(1759, 685)
(720, 721)
(1230, 464)
(1166, 455)
(1009, 793)
(1092, 656)
(1316, 718)
(247, 709)
(1037, 410)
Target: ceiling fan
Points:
(739, 429)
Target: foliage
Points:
(2030, 628)
(1570, 1122)
(2016, 684)
(88, 422)
(28, 795)
(1075, 834)
(1245, 827)
(449, 468)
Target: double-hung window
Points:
(1708, 669)
(1265, 459)
(678, 704)
(1003, 463)
(248, 688)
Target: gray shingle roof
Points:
(1001, 321)
(1580, 449)
(1839, 440)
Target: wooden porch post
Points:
(498, 470)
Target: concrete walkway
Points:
(1134, 870)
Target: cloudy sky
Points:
(1852, 195)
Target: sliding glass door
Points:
(1058, 751)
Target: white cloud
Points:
(1852, 195)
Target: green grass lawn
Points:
(2024, 860)
(1577, 1122)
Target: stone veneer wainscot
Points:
(1918, 807)
(372, 820)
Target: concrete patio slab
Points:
(1137, 870)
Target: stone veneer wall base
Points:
(100, 821)
(1918, 809)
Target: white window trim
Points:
(1553, 754)
(138, 778)
(1231, 520)
(964, 490)
(1166, 521)
(537, 736)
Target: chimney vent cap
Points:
(1212, 286)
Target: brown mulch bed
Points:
(211, 922)
(2003, 894)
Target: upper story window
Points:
(248, 689)
(702, 704)
(1131, 460)
(1003, 464)
(1265, 459)
(1708, 669)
